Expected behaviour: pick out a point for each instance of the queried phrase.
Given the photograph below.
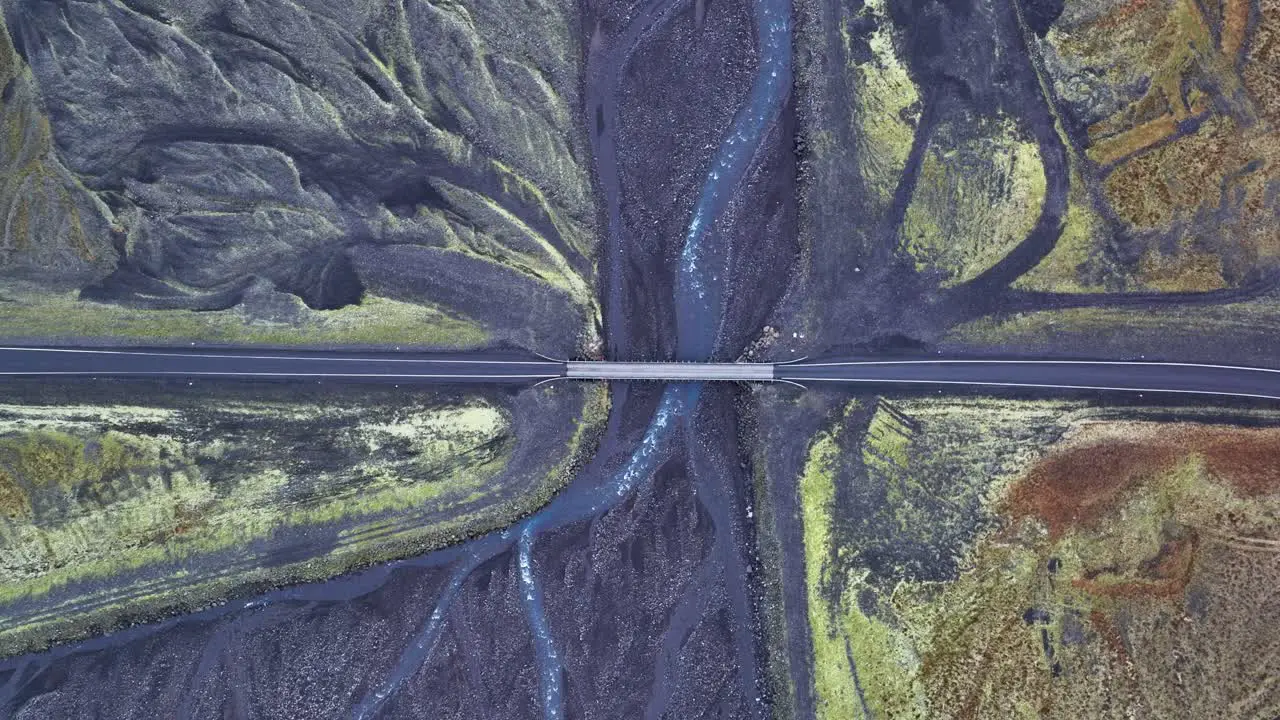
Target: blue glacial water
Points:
(699, 304)
(700, 281)
(417, 652)
(676, 401)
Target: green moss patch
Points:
(112, 511)
(375, 321)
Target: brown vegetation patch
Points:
(1247, 459)
(1152, 188)
(1077, 485)
(1235, 25)
(1111, 636)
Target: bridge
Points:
(670, 371)
(874, 374)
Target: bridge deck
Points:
(592, 370)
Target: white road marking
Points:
(1038, 362)
(150, 373)
(233, 355)
(1040, 385)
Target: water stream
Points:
(700, 291)
(700, 281)
(699, 302)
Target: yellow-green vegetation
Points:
(1063, 269)
(1142, 329)
(508, 242)
(14, 502)
(111, 501)
(885, 95)
(63, 463)
(375, 321)
(862, 668)
(833, 678)
(975, 200)
(112, 512)
(916, 475)
(1119, 571)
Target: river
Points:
(699, 303)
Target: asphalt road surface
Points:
(1048, 375)
(283, 365)
(490, 367)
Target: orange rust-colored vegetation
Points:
(1077, 485)
(1249, 460)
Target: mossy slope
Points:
(122, 509)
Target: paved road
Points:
(1049, 375)
(487, 367)
(252, 364)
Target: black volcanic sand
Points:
(671, 104)
(309, 656)
(969, 64)
(654, 605)
(323, 149)
(642, 606)
(154, 588)
(648, 604)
